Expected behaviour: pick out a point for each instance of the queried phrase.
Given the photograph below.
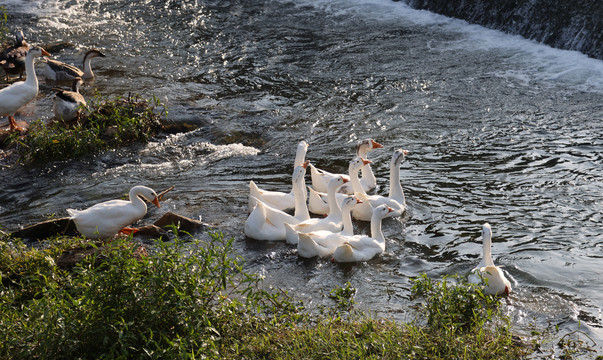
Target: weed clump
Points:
(106, 124)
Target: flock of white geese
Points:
(340, 197)
(18, 59)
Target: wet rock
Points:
(181, 222)
(56, 48)
(176, 128)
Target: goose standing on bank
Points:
(105, 220)
(279, 200)
(58, 70)
(19, 94)
(322, 243)
(13, 58)
(394, 200)
(67, 104)
(497, 282)
(267, 223)
(364, 248)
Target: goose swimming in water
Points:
(364, 248)
(279, 200)
(321, 178)
(497, 282)
(58, 70)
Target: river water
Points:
(499, 129)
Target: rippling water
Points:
(499, 129)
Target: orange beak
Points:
(358, 201)
(389, 209)
(366, 162)
(344, 180)
(156, 202)
(45, 53)
(305, 164)
(376, 145)
(405, 152)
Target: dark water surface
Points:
(499, 129)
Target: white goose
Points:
(106, 219)
(364, 248)
(367, 177)
(395, 200)
(323, 243)
(279, 200)
(333, 222)
(58, 70)
(267, 223)
(67, 104)
(19, 94)
(497, 282)
(317, 202)
(321, 178)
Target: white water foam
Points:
(534, 60)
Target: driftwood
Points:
(48, 228)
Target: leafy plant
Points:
(455, 303)
(105, 124)
(3, 26)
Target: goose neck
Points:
(395, 188)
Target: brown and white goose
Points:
(13, 57)
(67, 104)
(58, 70)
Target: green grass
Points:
(189, 300)
(106, 124)
(4, 31)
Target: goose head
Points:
(37, 52)
(349, 202)
(399, 156)
(300, 171)
(357, 163)
(364, 146)
(92, 54)
(382, 211)
(336, 182)
(147, 193)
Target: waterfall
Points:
(571, 25)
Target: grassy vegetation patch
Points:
(194, 300)
(104, 125)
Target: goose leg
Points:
(13, 124)
(128, 231)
